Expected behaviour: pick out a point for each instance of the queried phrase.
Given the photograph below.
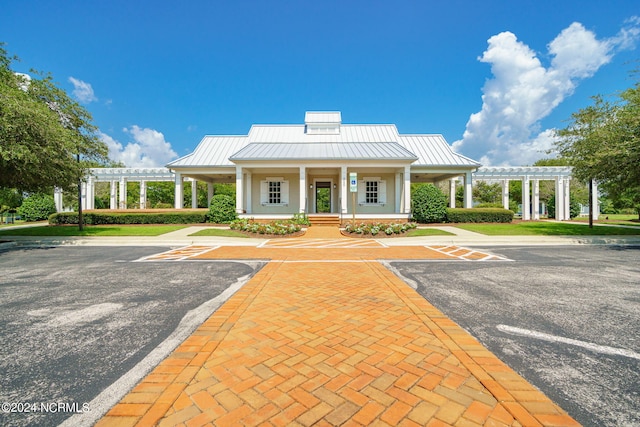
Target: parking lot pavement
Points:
(566, 318)
(74, 320)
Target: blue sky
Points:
(492, 76)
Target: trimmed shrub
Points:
(375, 229)
(278, 228)
(99, 218)
(37, 207)
(222, 209)
(428, 204)
(479, 215)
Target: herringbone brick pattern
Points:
(328, 344)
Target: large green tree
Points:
(46, 138)
(602, 142)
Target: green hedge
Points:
(92, 218)
(479, 215)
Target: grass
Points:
(616, 219)
(218, 232)
(542, 228)
(93, 230)
(417, 232)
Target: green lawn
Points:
(543, 228)
(218, 232)
(417, 232)
(619, 219)
(93, 230)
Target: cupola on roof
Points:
(322, 122)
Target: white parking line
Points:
(584, 344)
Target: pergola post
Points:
(178, 201)
(452, 193)
(57, 197)
(194, 194)
(123, 193)
(468, 191)
(526, 199)
(567, 199)
(594, 200)
(143, 194)
(505, 193)
(559, 199)
(535, 208)
(113, 197)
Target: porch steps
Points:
(324, 220)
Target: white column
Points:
(91, 193)
(567, 204)
(559, 199)
(57, 197)
(468, 191)
(113, 198)
(123, 194)
(303, 189)
(526, 199)
(344, 193)
(143, 195)
(239, 190)
(248, 197)
(194, 194)
(178, 198)
(398, 189)
(535, 204)
(452, 193)
(406, 190)
(83, 195)
(209, 193)
(505, 193)
(594, 201)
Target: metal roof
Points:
(324, 151)
(433, 150)
(285, 142)
(212, 151)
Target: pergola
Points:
(118, 177)
(531, 177)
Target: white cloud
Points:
(82, 91)
(522, 91)
(148, 149)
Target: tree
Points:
(428, 204)
(602, 142)
(46, 138)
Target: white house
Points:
(280, 170)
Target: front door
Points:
(323, 197)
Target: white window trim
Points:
(284, 191)
(382, 191)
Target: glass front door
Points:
(323, 197)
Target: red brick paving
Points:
(327, 344)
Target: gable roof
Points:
(293, 142)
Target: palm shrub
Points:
(428, 204)
(222, 209)
(37, 207)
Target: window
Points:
(275, 192)
(371, 192)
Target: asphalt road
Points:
(565, 318)
(74, 320)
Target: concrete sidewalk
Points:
(310, 342)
